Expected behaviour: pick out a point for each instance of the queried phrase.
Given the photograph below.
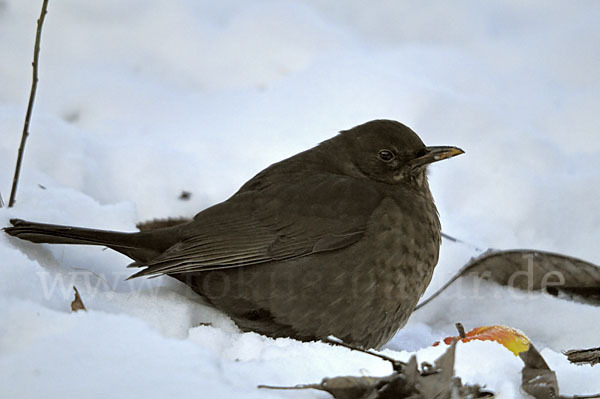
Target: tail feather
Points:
(56, 234)
(141, 246)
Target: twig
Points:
(458, 275)
(461, 330)
(302, 386)
(1, 201)
(36, 55)
(397, 365)
(454, 239)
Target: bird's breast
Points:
(404, 240)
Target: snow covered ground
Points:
(140, 100)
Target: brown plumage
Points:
(341, 239)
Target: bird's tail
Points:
(139, 246)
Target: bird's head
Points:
(386, 151)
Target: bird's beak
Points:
(434, 154)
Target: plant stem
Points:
(36, 55)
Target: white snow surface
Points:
(139, 100)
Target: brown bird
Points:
(341, 240)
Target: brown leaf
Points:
(584, 356)
(533, 271)
(77, 303)
(536, 377)
(433, 382)
(440, 383)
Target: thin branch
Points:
(454, 239)
(36, 55)
(1, 201)
(461, 330)
(397, 365)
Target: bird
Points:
(339, 240)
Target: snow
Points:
(139, 100)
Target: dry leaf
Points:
(536, 377)
(77, 303)
(431, 382)
(533, 271)
(584, 356)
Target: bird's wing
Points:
(272, 222)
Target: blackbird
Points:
(341, 240)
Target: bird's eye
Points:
(386, 155)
